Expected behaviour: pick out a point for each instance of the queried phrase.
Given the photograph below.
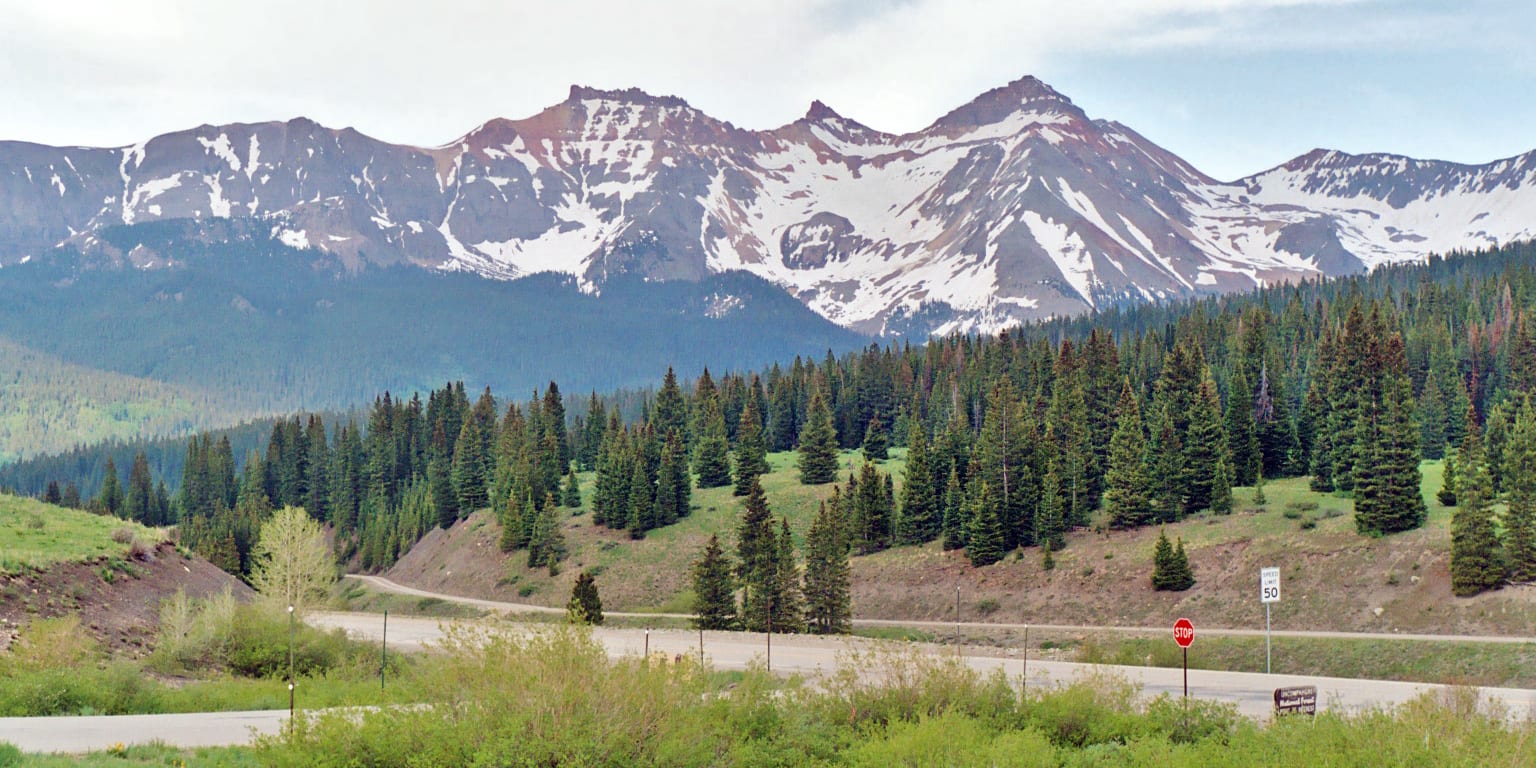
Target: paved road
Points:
(385, 585)
(1252, 693)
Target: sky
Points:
(1233, 86)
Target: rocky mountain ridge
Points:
(1014, 206)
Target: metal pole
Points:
(770, 637)
(701, 646)
(647, 646)
(1186, 677)
(957, 618)
(1266, 639)
(384, 649)
(290, 670)
(1026, 658)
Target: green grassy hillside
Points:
(1334, 578)
(34, 535)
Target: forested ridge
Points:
(1129, 418)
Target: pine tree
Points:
(1259, 500)
(788, 603)
(1165, 468)
(1388, 498)
(1520, 517)
(1242, 433)
(641, 515)
(754, 533)
(1127, 490)
(712, 461)
(1204, 447)
(139, 502)
(1047, 558)
(1476, 562)
(110, 500)
(714, 589)
(751, 449)
(920, 519)
(957, 523)
(876, 443)
(570, 495)
(818, 445)
(1432, 419)
(872, 511)
(1170, 566)
(827, 591)
(1221, 488)
(1447, 493)
(670, 413)
(1050, 527)
(585, 606)
(984, 546)
(469, 472)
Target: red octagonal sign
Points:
(1183, 633)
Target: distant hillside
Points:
(49, 406)
(271, 329)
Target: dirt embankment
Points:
(117, 600)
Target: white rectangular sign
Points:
(1269, 585)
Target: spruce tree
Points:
(754, 534)
(469, 471)
(641, 515)
(1050, 526)
(921, 516)
(714, 589)
(139, 501)
(1476, 562)
(585, 606)
(957, 523)
(1520, 517)
(876, 442)
(1170, 566)
(1447, 493)
(818, 445)
(1259, 500)
(871, 511)
(110, 500)
(670, 413)
(1388, 498)
(984, 546)
(712, 462)
(1127, 489)
(788, 604)
(1204, 447)
(1242, 433)
(1221, 488)
(827, 590)
(751, 448)
(570, 495)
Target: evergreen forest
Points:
(1128, 418)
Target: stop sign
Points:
(1183, 633)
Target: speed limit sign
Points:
(1269, 585)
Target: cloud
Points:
(111, 72)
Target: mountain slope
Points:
(1014, 206)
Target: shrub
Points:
(9, 754)
(259, 642)
(986, 607)
(122, 535)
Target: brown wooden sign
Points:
(1297, 700)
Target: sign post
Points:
(1297, 700)
(1269, 592)
(1184, 635)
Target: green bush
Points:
(9, 754)
(259, 645)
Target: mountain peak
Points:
(820, 112)
(1026, 93)
(634, 96)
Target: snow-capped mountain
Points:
(1014, 206)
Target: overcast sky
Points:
(1233, 86)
